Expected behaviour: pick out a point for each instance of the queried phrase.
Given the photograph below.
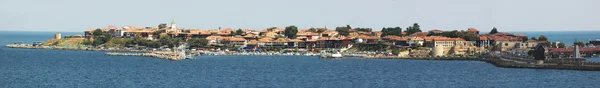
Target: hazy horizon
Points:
(506, 15)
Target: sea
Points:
(27, 68)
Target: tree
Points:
(542, 38)
(413, 29)
(579, 43)
(415, 45)
(533, 38)
(97, 32)
(291, 31)
(396, 51)
(344, 31)
(451, 34)
(138, 40)
(364, 29)
(494, 31)
(157, 33)
(232, 33)
(391, 31)
(239, 32)
(561, 45)
(197, 42)
(280, 36)
(165, 40)
(348, 26)
(162, 25)
(312, 30)
(321, 30)
(470, 36)
(524, 38)
(154, 44)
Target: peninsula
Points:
(170, 42)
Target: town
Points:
(502, 49)
(389, 42)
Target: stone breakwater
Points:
(512, 63)
(29, 46)
(147, 53)
(162, 55)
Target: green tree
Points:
(348, 26)
(239, 32)
(542, 38)
(391, 31)
(364, 29)
(579, 43)
(280, 36)
(396, 51)
(97, 32)
(533, 38)
(415, 45)
(413, 29)
(451, 34)
(524, 38)
(157, 33)
(291, 31)
(154, 44)
(197, 42)
(321, 30)
(470, 36)
(561, 45)
(344, 31)
(162, 25)
(312, 29)
(165, 39)
(494, 31)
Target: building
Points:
(234, 41)
(57, 36)
(473, 30)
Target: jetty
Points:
(162, 55)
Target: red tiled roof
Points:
(472, 30)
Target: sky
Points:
(506, 15)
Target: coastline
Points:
(496, 61)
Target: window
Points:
(505, 44)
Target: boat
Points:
(337, 55)
(332, 55)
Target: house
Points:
(473, 30)
(396, 40)
(271, 34)
(368, 39)
(296, 43)
(214, 40)
(233, 41)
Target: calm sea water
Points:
(58, 68)
(567, 37)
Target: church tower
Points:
(173, 25)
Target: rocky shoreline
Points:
(496, 61)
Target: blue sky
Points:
(506, 15)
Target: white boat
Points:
(333, 55)
(337, 55)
